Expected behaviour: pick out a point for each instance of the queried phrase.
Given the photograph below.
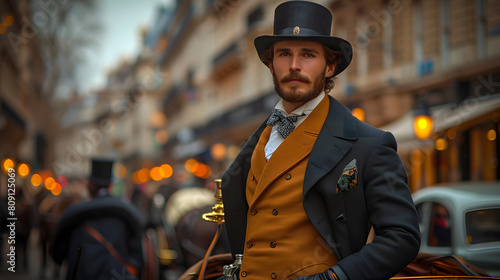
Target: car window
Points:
(483, 226)
(439, 226)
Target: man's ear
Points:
(330, 70)
(270, 66)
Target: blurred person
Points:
(306, 189)
(25, 213)
(100, 238)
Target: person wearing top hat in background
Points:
(312, 182)
(100, 238)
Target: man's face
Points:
(299, 70)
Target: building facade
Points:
(445, 53)
(198, 89)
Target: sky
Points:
(121, 22)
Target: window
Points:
(483, 226)
(440, 227)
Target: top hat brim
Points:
(264, 42)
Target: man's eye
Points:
(283, 54)
(309, 55)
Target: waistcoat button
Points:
(254, 212)
(288, 176)
(275, 212)
(274, 275)
(273, 244)
(243, 274)
(249, 245)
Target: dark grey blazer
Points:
(344, 216)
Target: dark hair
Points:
(331, 56)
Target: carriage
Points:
(191, 219)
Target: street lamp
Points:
(423, 123)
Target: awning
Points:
(445, 117)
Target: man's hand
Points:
(327, 275)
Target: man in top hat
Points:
(100, 238)
(312, 181)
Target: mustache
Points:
(295, 76)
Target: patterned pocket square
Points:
(349, 178)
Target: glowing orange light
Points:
(195, 167)
(143, 175)
(166, 170)
(135, 178)
(36, 180)
(491, 135)
(155, 173)
(190, 164)
(423, 126)
(7, 164)
(56, 189)
(23, 169)
(49, 183)
(2, 29)
(441, 144)
(218, 151)
(203, 171)
(359, 113)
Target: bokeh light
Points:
(135, 178)
(23, 169)
(423, 126)
(359, 113)
(49, 183)
(62, 181)
(491, 135)
(441, 144)
(155, 173)
(36, 180)
(218, 151)
(190, 165)
(161, 136)
(56, 189)
(143, 175)
(7, 164)
(120, 171)
(158, 120)
(166, 170)
(202, 171)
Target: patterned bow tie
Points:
(285, 124)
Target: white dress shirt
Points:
(276, 139)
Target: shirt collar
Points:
(305, 108)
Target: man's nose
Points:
(294, 63)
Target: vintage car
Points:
(462, 219)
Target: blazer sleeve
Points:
(391, 212)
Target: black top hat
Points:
(101, 172)
(307, 21)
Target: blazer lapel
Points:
(331, 145)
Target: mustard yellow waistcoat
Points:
(281, 242)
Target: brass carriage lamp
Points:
(217, 214)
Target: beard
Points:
(294, 94)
